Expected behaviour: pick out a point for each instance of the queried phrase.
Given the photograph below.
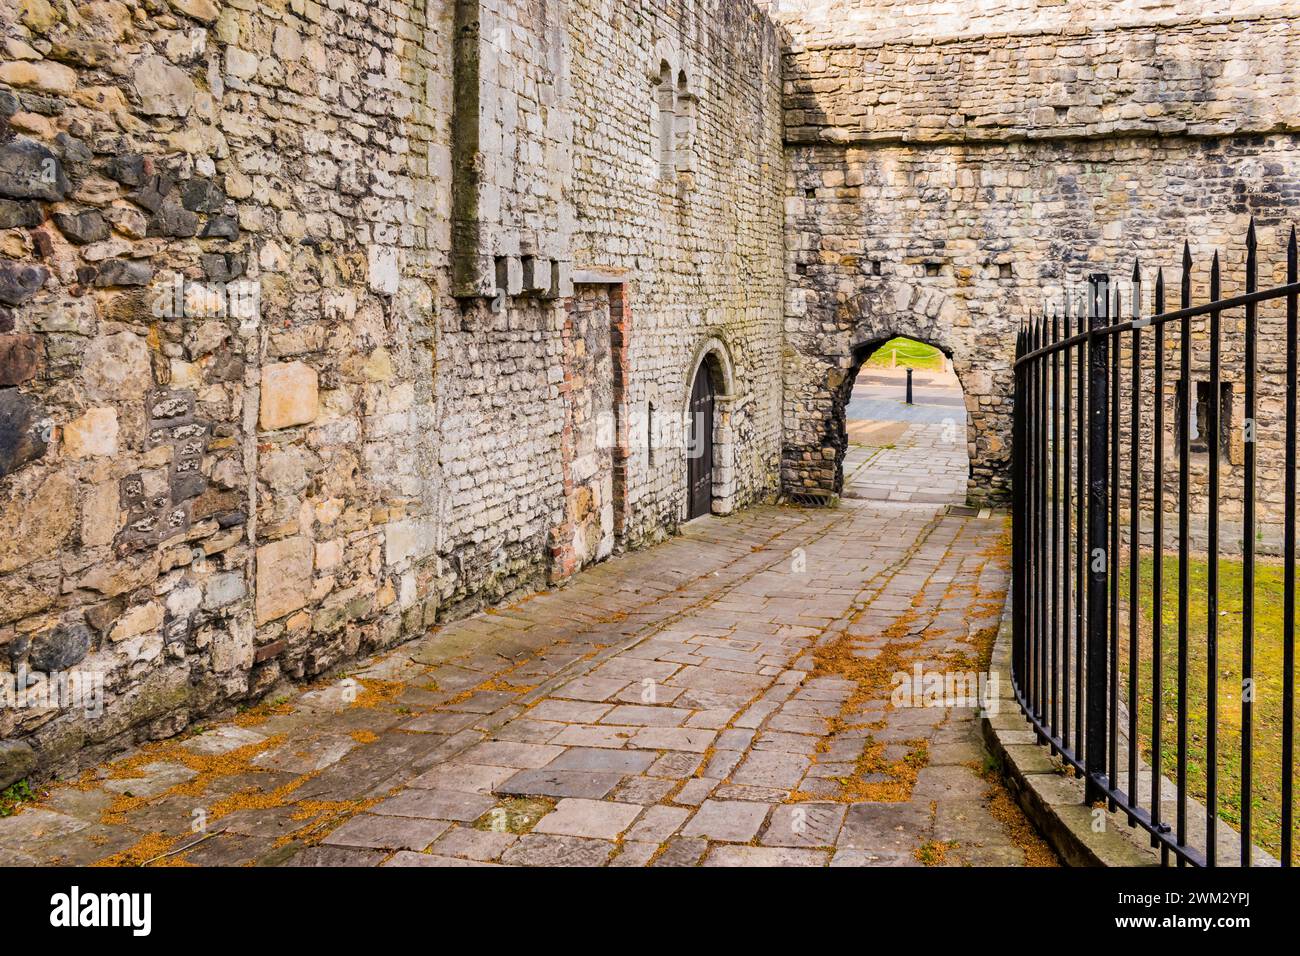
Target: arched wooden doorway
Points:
(699, 449)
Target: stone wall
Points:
(1197, 77)
(943, 189)
(226, 468)
(324, 322)
(698, 245)
(812, 23)
(291, 362)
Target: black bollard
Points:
(909, 386)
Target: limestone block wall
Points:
(511, 149)
(1202, 77)
(967, 245)
(944, 187)
(500, 418)
(695, 244)
(225, 231)
(563, 164)
(816, 22)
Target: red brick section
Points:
(620, 321)
(564, 562)
(564, 559)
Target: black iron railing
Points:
(1134, 685)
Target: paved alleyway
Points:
(900, 452)
(720, 699)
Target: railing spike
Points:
(1250, 236)
(1187, 255)
(1137, 289)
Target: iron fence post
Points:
(1018, 526)
(1098, 535)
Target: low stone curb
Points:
(1051, 798)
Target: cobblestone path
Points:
(721, 699)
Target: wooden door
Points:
(699, 450)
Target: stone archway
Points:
(712, 358)
(862, 348)
(822, 368)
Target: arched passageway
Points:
(900, 450)
(827, 350)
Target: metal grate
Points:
(811, 499)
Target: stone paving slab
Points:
(387, 833)
(708, 702)
(729, 821)
(765, 856)
(589, 818)
(561, 783)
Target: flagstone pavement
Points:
(721, 699)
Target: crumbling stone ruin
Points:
(322, 322)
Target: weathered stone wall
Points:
(323, 322)
(1004, 229)
(226, 470)
(588, 533)
(562, 163)
(291, 364)
(943, 190)
(821, 22)
(698, 245)
(1199, 77)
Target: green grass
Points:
(13, 797)
(1266, 785)
(911, 354)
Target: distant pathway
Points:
(907, 453)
